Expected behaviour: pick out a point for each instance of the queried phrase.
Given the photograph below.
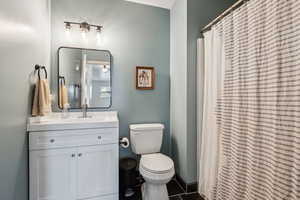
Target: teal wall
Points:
(188, 17)
(136, 35)
(24, 42)
(199, 14)
(178, 73)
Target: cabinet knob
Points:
(80, 154)
(73, 155)
(99, 137)
(52, 140)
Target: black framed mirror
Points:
(84, 78)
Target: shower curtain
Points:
(258, 112)
(213, 70)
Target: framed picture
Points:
(145, 77)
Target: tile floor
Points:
(175, 191)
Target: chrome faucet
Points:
(84, 108)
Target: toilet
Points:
(156, 168)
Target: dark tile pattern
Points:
(181, 182)
(190, 187)
(175, 191)
(174, 188)
(193, 187)
(136, 196)
(175, 198)
(192, 196)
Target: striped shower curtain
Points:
(258, 114)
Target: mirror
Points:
(84, 78)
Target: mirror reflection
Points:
(84, 78)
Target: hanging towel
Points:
(63, 96)
(42, 98)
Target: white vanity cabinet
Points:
(74, 164)
(94, 162)
(53, 174)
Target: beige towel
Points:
(42, 99)
(63, 96)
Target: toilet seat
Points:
(157, 163)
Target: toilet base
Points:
(154, 191)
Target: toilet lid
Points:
(156, 163)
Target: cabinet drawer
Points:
(72, 138)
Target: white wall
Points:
(178, 74)
(24, 41)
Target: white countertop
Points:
(56, 121)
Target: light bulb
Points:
(98, 36)
(83, 34)
(68, 25)
(67, 32)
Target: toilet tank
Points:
(146, 138)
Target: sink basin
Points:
(56, 121)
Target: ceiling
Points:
(157, 3)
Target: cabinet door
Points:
(53, 174)
(98, 171)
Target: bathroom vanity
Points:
(74, 158)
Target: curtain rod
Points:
(224, 14)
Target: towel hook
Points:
(38, 68)
(62, 78)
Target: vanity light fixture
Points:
(84, 26)
(99, 29)
(68, 26)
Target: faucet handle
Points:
(84, 106)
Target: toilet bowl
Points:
(157, 170)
